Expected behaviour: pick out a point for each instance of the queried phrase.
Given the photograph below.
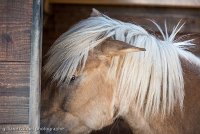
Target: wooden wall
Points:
(15, 33)
(16, 44)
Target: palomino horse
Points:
(102, 69)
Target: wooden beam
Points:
(35, 68)
(165, 3)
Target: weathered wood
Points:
(141, 16)
(14, 92)
(18, 53)
(138, 15)
(14, 109)
(15, 25)
(14, 75)
(14, 129)
(177, 3)
(35, 69)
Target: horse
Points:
(102, 69)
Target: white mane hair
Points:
(153, 80)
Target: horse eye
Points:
(73, 78)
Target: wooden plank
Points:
(15, 30)
(165, 3)
(14, 129)
(14, 109)
(35, 68)
(142, 17)
(14, 92)
(14, 75)
(138, 15)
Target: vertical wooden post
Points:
(35, 68)
(20, 46)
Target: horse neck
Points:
(175, 122)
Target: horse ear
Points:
(95, 13)
(116, 48)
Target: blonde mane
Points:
(153, 79)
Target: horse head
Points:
(88, 101)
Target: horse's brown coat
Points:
(87, 103)
(185, 122)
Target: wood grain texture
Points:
(138, 15)
(14, 109)
(15, 30)
(35, 66)
(14, 129)
(177, 3)
(14, 92)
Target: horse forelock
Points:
(153, 80)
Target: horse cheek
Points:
(93, 105)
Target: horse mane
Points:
(153, 79)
